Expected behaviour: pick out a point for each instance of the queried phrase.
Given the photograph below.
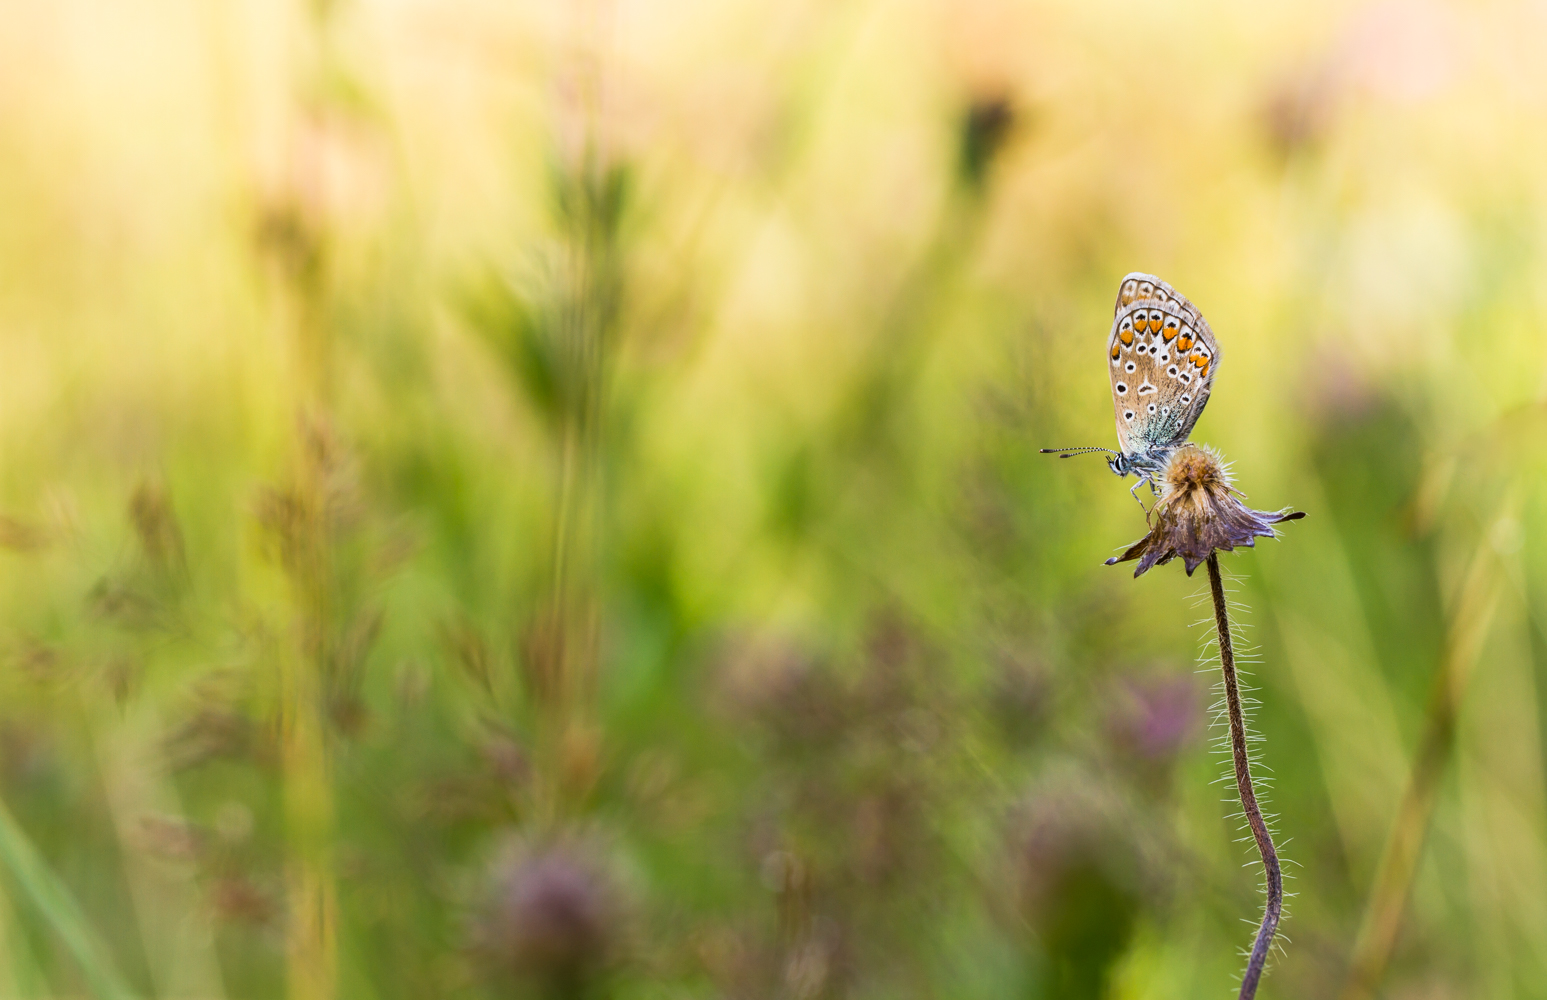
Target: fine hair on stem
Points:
(1241, 761)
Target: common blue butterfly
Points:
(1162, 358)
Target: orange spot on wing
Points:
(1116, 350)
(1125, 335)
(1170, 333)
(1185, 343)
(1200, 361)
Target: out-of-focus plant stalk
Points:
(311, 935)
(562, 651)
(311, 893)
(563, 664)
(311, 944)
(1475, 608)
(1243, 784)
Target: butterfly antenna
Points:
(1071, 452)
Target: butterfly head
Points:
(1119, 464)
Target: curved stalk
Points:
(1243, 784)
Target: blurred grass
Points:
(59, 910)
(561, 484)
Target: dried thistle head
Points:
(1199, 513)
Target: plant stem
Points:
(1243, 784)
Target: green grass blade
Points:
(59, 908)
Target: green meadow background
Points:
(541, 499)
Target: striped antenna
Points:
(1071, 452)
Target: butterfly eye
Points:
(1129, 366)
(1121, 389)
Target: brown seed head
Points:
(1199, 512)
(1194, 470)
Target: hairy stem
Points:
(1243, 784)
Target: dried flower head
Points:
(1199, 513)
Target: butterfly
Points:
(1162, 358)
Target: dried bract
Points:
(1198, 514)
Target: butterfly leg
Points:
(1133, 491)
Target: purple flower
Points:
(1155, 717)
(552, 916)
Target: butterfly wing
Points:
(1162, 357)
